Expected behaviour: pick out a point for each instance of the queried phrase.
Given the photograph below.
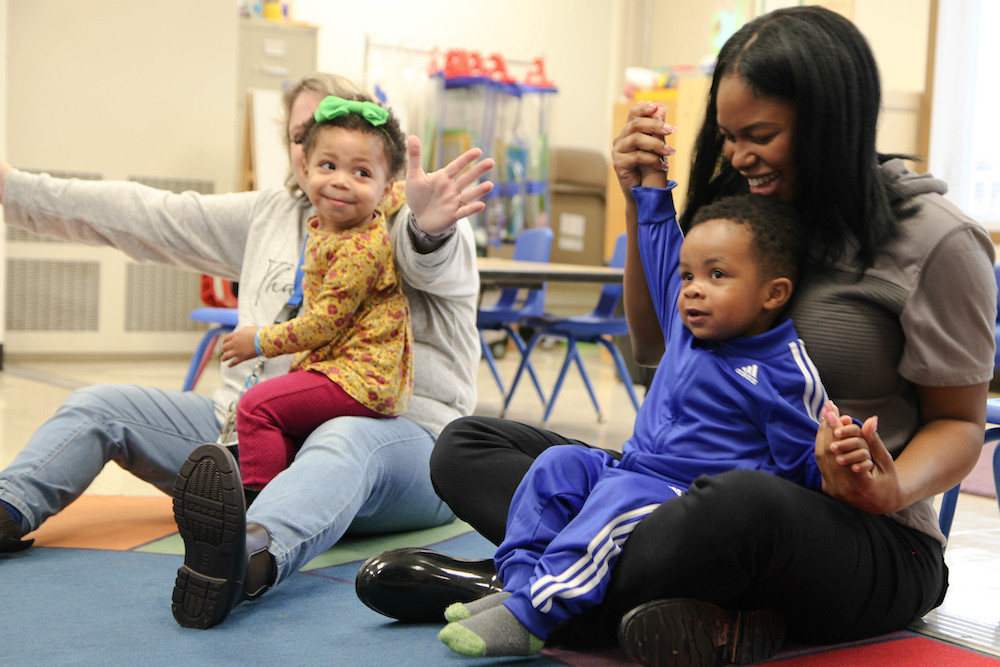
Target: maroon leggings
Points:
(276, 415)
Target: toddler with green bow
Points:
(351, 340)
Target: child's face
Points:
(723, 294)
(347, 175)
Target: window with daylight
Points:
(965, 138)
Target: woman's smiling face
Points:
(758, 137)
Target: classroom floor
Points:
(31, 389)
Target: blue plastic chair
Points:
(597, 327)
(949, 500)
(224, 320)
(996, 327)
(531, 245)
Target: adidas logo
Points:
(748, 373)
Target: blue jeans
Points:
(352, 473)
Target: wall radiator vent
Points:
(65, 297)
(52, 295)
(159, 298)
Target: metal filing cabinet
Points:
(273, 54)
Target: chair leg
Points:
(526, 360)
(578, 358)
(947, 512)
(206, 346)
(209, 354)
(623, 373)
(993, 437)
(488, 357)
(572, 355)
(996, 471)
(525, 363)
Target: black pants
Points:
(742, 539)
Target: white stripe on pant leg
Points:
(589, 569)
(575, 588)
(601, 536)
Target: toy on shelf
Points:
(464, 100)
(537, 96)
(483, 105)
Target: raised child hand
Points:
(441, 198)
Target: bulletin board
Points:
(264, 158)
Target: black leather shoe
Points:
(261, 569)
(416, 585)
(10, 534)
(211, 517)
(681, 632)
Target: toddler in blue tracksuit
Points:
(735, 389)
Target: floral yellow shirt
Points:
(354, 326)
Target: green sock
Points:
(460, 611)
(492, 632)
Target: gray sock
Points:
(460, 611)
(492, 632)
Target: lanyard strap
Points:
(296, 297)
(291, 307)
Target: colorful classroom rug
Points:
(95, 589)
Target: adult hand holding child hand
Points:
(640, 146)
(855, 465)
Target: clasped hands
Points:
(854, 463)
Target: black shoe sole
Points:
(416, 585)
(11, 545)
(211, 518)
(10, 534)
(691, 633)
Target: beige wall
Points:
(577, 39)
(123, 88)
(675, 41)
(120, 89)
(136, 90)
(126, 88)
(588, 45)
(897, 31)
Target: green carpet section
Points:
(351, 548)
(360, 547)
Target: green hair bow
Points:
(333, 107)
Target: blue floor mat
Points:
(89, 607)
